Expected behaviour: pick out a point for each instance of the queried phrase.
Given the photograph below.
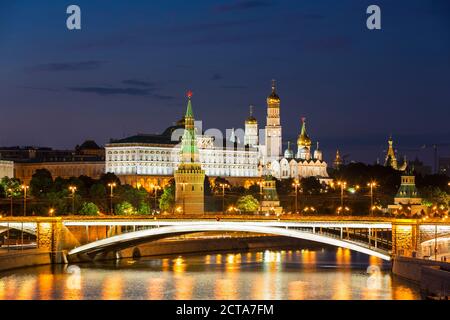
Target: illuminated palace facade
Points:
(152, 159)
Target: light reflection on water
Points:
(269, 274)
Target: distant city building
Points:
(6, 169)
(337, 163)
(444, 165)
(391, 159)
(87, 159)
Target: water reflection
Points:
(268, 274)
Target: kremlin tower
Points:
(273, 127)
(189, 177)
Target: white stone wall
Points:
(6, 169)
(297, 169)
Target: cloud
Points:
(138, 83)
(128, 91)
(162, 97)
(104, 91)
(216, 76)
(242, 5)
(68, 66)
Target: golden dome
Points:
(303, 139)
(273, 98)
(251, 120)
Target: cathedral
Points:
(152, 159)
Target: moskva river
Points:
(271, 274)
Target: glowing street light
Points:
(296, 184)
(223, 185)
(73, 189)
(25, 188)
(372, 185)
(342, 184)
(11, 194)
(112, 185)
(261, 185)
(156, 188)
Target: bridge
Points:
(72, 237)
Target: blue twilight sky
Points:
(129, 67)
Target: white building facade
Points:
(6, 169)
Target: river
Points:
(270, 274)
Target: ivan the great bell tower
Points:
(273, 127)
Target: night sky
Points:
(129, 67)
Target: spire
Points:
(189, 112)
(251, 119)
(273, 98)
(251, 111)
(189, 150)
(317, 148)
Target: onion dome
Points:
(303, 138)
(251, 119)
(273, 98)
(289, 154)
(318, 153)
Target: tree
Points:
(89, 209)
(10, 183)
(167, 200)
(132, 195)
(247, 204)
(434, 196)
(41, 182)
(144, 208)
(311, 185)
(125, 209)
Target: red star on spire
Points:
(189, 94)
(303, 119)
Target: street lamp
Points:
(223, 185)
(112, 186)
(342, 184)
(260, 184)
(25, 188)
(183, 184)
(372, 185)
(51, 212)
(156, 188)
(73, 189)
(296, 184)
(10, 191)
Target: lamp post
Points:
(156, 188)
(223, 185)
(261, 184)
(296, 184)
(73, 189)
(183, 184)
(371, 185)
(342, 184)
(10, 191)
(25, 189)
(112, 186)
